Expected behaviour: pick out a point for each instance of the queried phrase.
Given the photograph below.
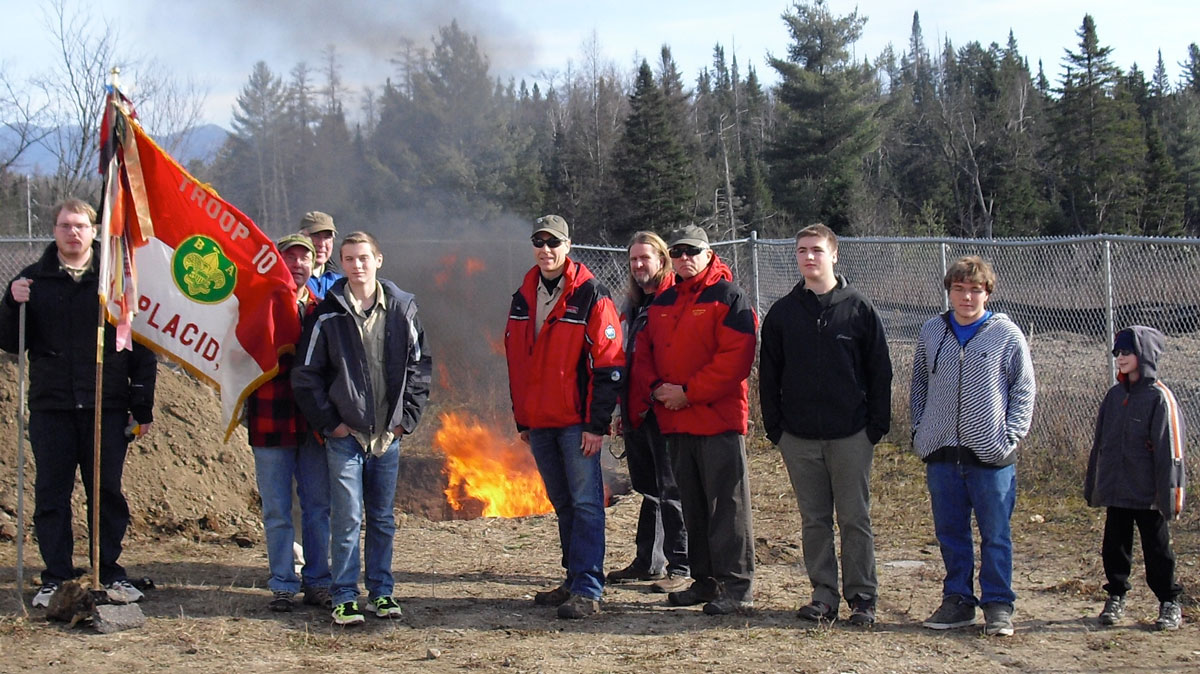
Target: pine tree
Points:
(653, 171)
(827, 120)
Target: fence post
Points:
(1109, 318)
(754, 272)
(945, 297)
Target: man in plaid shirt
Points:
(286, 449)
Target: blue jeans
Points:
(275, 468)
(956, 489)
(575, 487)
(361, 484)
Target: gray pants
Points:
(715, 493)
(829, 476)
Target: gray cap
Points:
(553, 224)
(689, 236)
(316, 221)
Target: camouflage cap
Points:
(316, 221)
(552, 224)
(689, 236)
(295, 240)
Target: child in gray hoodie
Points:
(1136, 471)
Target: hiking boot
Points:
(44, 593)
(348, 613)
(696, 594)
(283, 601)
(634, 573)
(123, 592)
(1114, 610)
(556, 597)
(817, 611)
(862, 611)
(725, 605)
(1169, 616)
(578, 606)
(317, 596)
(997, 620)
(953, 613)
(386, 607)
(672, 583)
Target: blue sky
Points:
(216, 42)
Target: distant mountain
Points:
(202, 143)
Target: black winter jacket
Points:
(60, 336)
(331, 379)
(824, 372)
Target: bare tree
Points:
(22, 117)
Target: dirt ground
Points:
(467, 585)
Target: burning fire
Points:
(482, 465)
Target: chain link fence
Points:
(1067, 295)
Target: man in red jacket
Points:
(565, 362)
(697, 350)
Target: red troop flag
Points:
(185, 272)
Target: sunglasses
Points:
(1122, 352)
(679, 251)
(553, 243)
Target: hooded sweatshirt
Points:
(1138, 449)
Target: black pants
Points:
(1117, 552)
(62, 441)
(715, 492)
(661, 538)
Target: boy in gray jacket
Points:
(1136, 471)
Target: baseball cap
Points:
(316, 221)
(689, 236)
(295, 240)
(553, 224)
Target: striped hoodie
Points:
(1137, 458)
(978, 396)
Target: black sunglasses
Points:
(680, 251)
(1122, 352)
(553, 243)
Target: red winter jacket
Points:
(633, 322)
(571, 373)
(272, 417)
(701, 334)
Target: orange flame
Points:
(482, 465)
(473, 266)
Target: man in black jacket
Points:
(60, 292)
(825, 383)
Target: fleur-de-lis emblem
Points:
(203, 273)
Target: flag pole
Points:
(99, 402)
(21, 458)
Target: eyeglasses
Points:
(679, 251)
(553, 243)
(73, 226)
(1122, 352)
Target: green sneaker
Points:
(348, 613)
(386, 607)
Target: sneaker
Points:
(1114, 610)
(862, 611)
(123, 592)
(317, 596)
(283, 601)
(578, 606)
(953, 613)
(44, 593)
(997, 620)
(556, 597)
(386, 607)
(634, 573)
(1169, 616)
(672, 583)
(696, 594)
(348, 613)
(726, 605)
(817, 611)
